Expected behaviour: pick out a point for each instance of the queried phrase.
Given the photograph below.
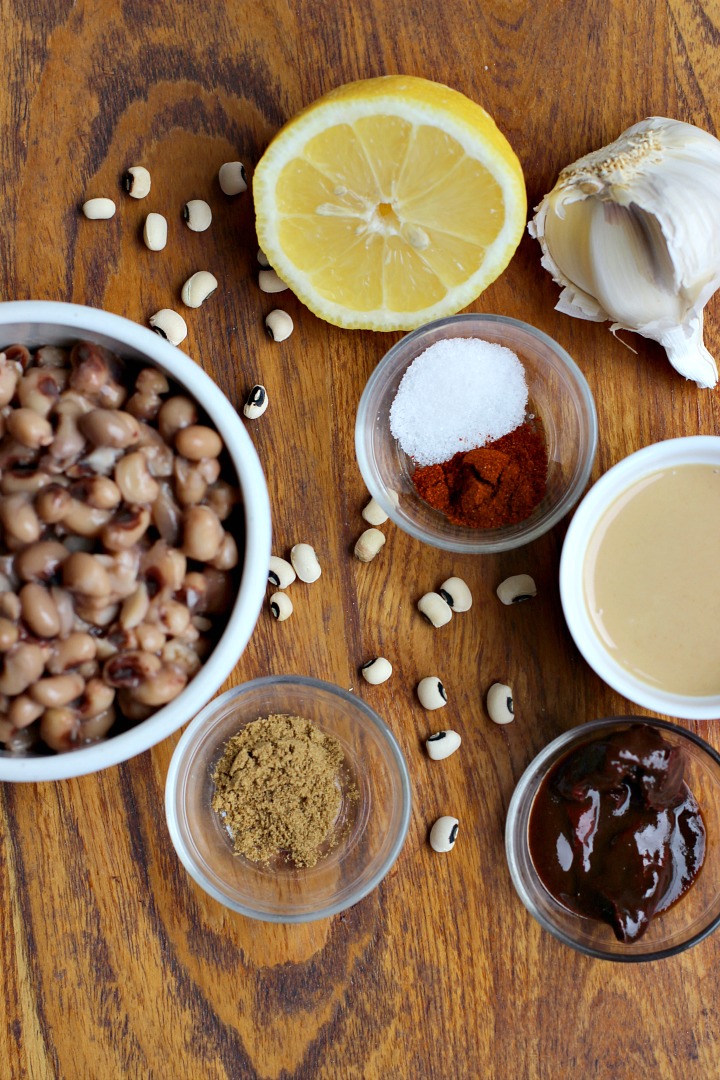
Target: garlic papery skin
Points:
(632, 233)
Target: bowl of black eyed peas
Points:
(134, 539)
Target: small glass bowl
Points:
(692, 918)
(370, 830)
(558, 394)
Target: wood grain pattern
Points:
(114, 963)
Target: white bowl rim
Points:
(488, 546)
(189, 736)
(78, 320)
(543, 760)
(685, 450)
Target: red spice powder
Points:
(495, 485)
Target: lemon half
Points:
(389, 202)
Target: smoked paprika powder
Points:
(494, 485)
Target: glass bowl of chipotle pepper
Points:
(476, 433)
(612, 839)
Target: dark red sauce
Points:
(615, 834)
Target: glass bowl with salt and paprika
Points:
(476, 433)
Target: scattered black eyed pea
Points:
(376, 671)
(136, 181)
(98, 209)
(197, 215)
(431, 693)
(155, 232)
(263, 259)
(198, 288)
(514, 590)
(368, 545)
(169, 325)
(232, 178)
(500, 707)
(256, 402)
(456, 594)
(196, 442)
(444, 834)
(278, 324)
(435, 609)
(281, 606)
(442, 744)
(280, 572)
(374, 513)
(269, 282)
(305, 562)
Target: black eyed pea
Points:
(39, 611)
(515, 589)
(278, 324)
(228, 556)
(232, 178)
(22, 666)
(202, 534)
(280, 572)
(263, 259)
(435, 609)
(196, 442)
(256, 402)
(368, 545)
(281, 606)
(155, 232)
(198, 288)
(305, 562)
(98, 209)
(500, 707)
(110, 427)
(431, 693)
(442, 744)
(133, 478)
(55, 691)
(269, 282)
(84, 573)
(374, 513)
(136, 181)
(456, 594)
(376, 671)
(29, 428)
(9, 634)
(24, 711)
(197, 215)
(169, 325)
(444, 834)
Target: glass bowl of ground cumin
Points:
(489, 495)
(288, 799)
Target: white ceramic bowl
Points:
(692, 450)
(40, 322)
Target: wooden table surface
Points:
(115, 964)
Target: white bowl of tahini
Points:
(640, 577)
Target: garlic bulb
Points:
(632, 232)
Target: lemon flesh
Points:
(389, 202)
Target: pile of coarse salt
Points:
(459, 394)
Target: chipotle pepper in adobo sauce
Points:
(614, 832)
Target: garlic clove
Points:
(632, 233)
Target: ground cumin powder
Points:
(277, 789)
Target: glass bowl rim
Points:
(521, 534)
(544, 759)
(193, 736)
